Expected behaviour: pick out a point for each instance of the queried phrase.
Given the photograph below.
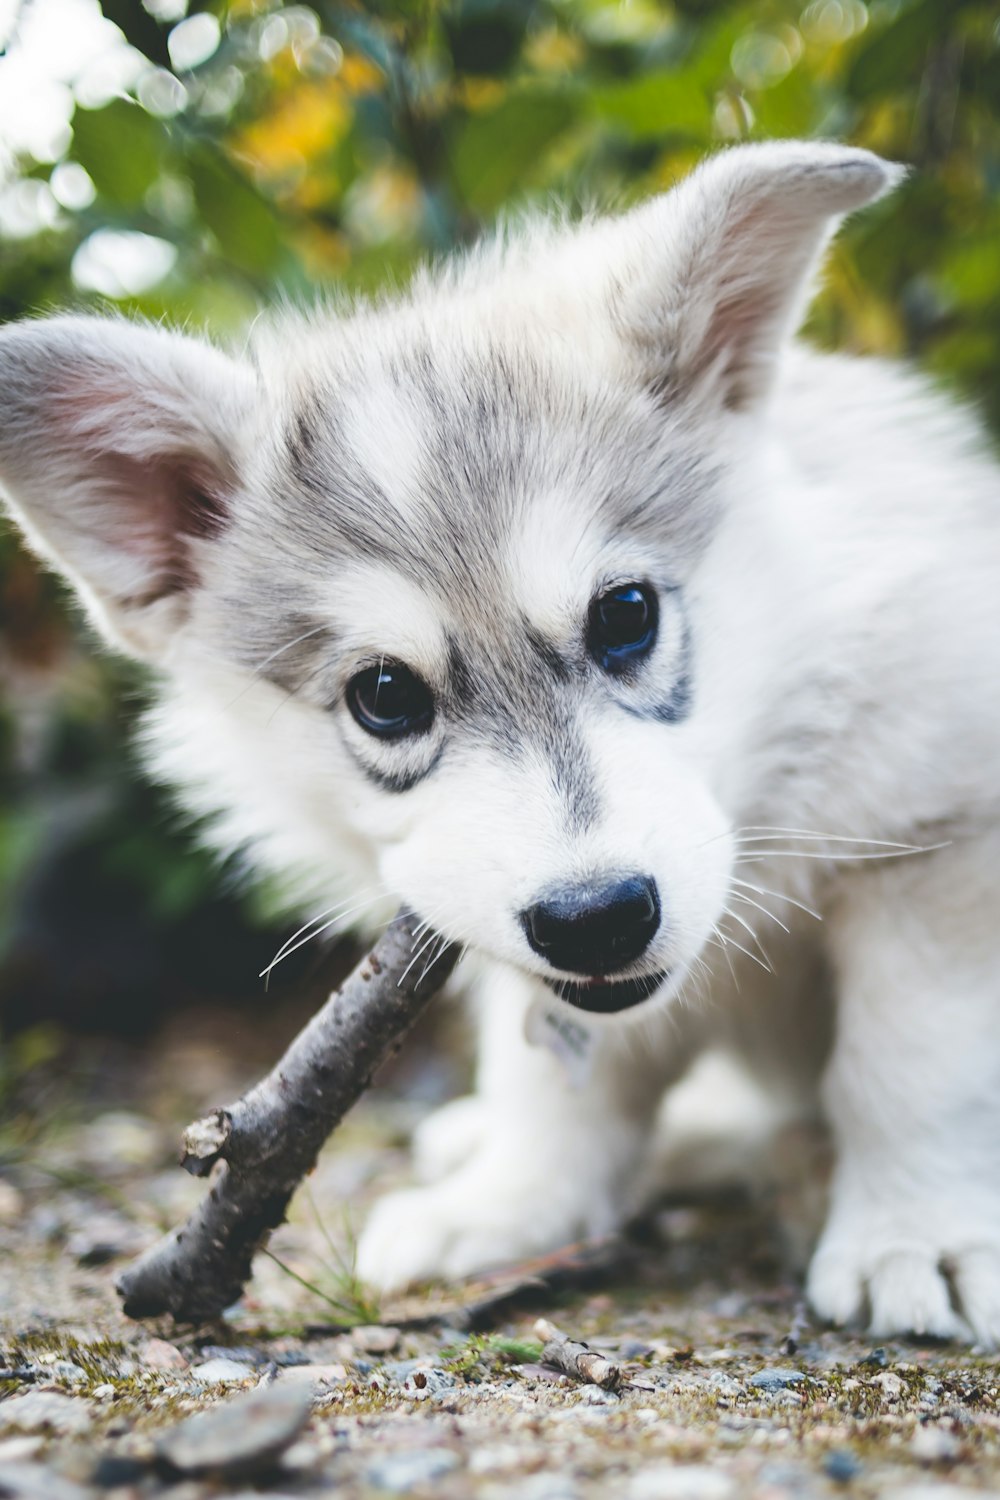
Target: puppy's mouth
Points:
(605, 997)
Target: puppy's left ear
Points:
(121, 447)
(718, 271)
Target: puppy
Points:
(643, 651)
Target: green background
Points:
(336, 146)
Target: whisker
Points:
(331, 911)
(729, 939)
(747, 928)
(721, 944)
(831, 857)
(739, 896)
(341, 917)
(763, 890)
(416, 957)
(762, 833)
(442, 945)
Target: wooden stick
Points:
(268, 1141)
(577, 1360)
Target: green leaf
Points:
(892, 60)
(655, 105)
(121, 147)
(494, 153)
(239, 217)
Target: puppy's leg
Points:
(548, 1161)
(913, 1095)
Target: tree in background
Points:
(236, 155)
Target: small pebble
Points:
(220, 1372)
(157, 1354)
(38, 1482)
(933, 1444)
(841, 1466)
(47, 1411)
(241, 1354)
(680, 1482)
(425, 1383)
(11, 1203)
(374, 1339)
(319, 1377)
(240, 1436)
(401, 1472)
(593, 1395)
(774, 1379)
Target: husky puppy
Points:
(571, 602)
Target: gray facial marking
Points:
(492, 430)
(519, 699)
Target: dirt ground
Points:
(726, 1388)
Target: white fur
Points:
(827, 530)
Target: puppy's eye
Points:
(390, 701)
(621, 628)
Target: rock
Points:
(375, 1339)
(49, 1411)
(925, 1491)
(593, 1395)
(775, 1379)
(157, 1354)
(407, 1470)
(38, 1482)
(536, 1487)
(933, 1444)
(634, 1349)
(680, 1482)
(241, 1354)
(841, 1466)
(891, 1385)
(11, 1203)
(426, 1382)
(241, 1436)
(103, 1238)
(316, 1377)
(118, 1140)
(16, 1449)
(221, 1372)
(396, 1369)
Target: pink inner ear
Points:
(150, 492)
(152, 509)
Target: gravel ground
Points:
(726, 1387)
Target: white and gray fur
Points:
(448, 480)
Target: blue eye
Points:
(621, 628)
(390, 701)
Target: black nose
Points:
(594, 929)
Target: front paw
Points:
(495, 1210)
(937, 1282)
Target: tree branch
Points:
(269, 1140)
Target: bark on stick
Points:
(268, 1141)
(575, 1359)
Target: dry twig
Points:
(269, 1139)
(578, 1361)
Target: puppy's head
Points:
(451, 589)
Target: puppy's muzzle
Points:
(594, 929)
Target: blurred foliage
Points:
(268, 150)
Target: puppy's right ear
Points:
(121, 448)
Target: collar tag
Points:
(574, 1044)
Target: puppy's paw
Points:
(507, 1203)
(448, 1137)
(926, 1285)
(449, 1231)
